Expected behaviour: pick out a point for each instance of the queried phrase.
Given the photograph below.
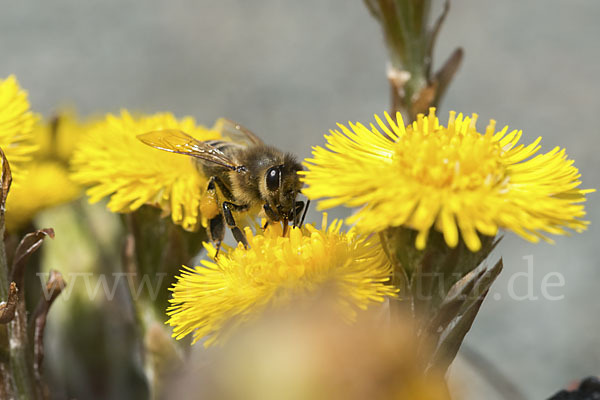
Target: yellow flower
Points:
(310, 354)
(213, 299)
(113, 162)
(451, 178)
(47, 185)
(47, 182)
(58, 136)
(16, 125)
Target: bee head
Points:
(282, 185)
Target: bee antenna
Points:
(305, 211)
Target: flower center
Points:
(443, 158)
(296, 257)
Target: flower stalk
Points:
(410, 42)
(441, 288)
(155, 248)
(21, 346)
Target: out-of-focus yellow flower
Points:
(58, 136)
(16, 125)
(113, 162)
(212, 299)
(451, 178)
(47, 182)
(299, 354)
(47, 185)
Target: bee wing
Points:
(237, 133)
(176, 141)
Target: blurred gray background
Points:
(290, 70)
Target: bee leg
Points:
(304, 213)
(298, 207)
(216, 224)
(216, 181)
(228, 207)
(271, 216)
(216, 231)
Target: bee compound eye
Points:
(272, 178)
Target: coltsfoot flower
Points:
(452, 178)
(47, 185)
(47, 177)
(213, 299)
(114, 163)
(58, 136)
(16, 126)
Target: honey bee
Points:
(248, 174)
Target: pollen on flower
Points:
(455, 162)
(240, 284)
(451, 178)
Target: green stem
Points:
(410, 39)
(400, 306)
(4, 273)
(20, 361)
